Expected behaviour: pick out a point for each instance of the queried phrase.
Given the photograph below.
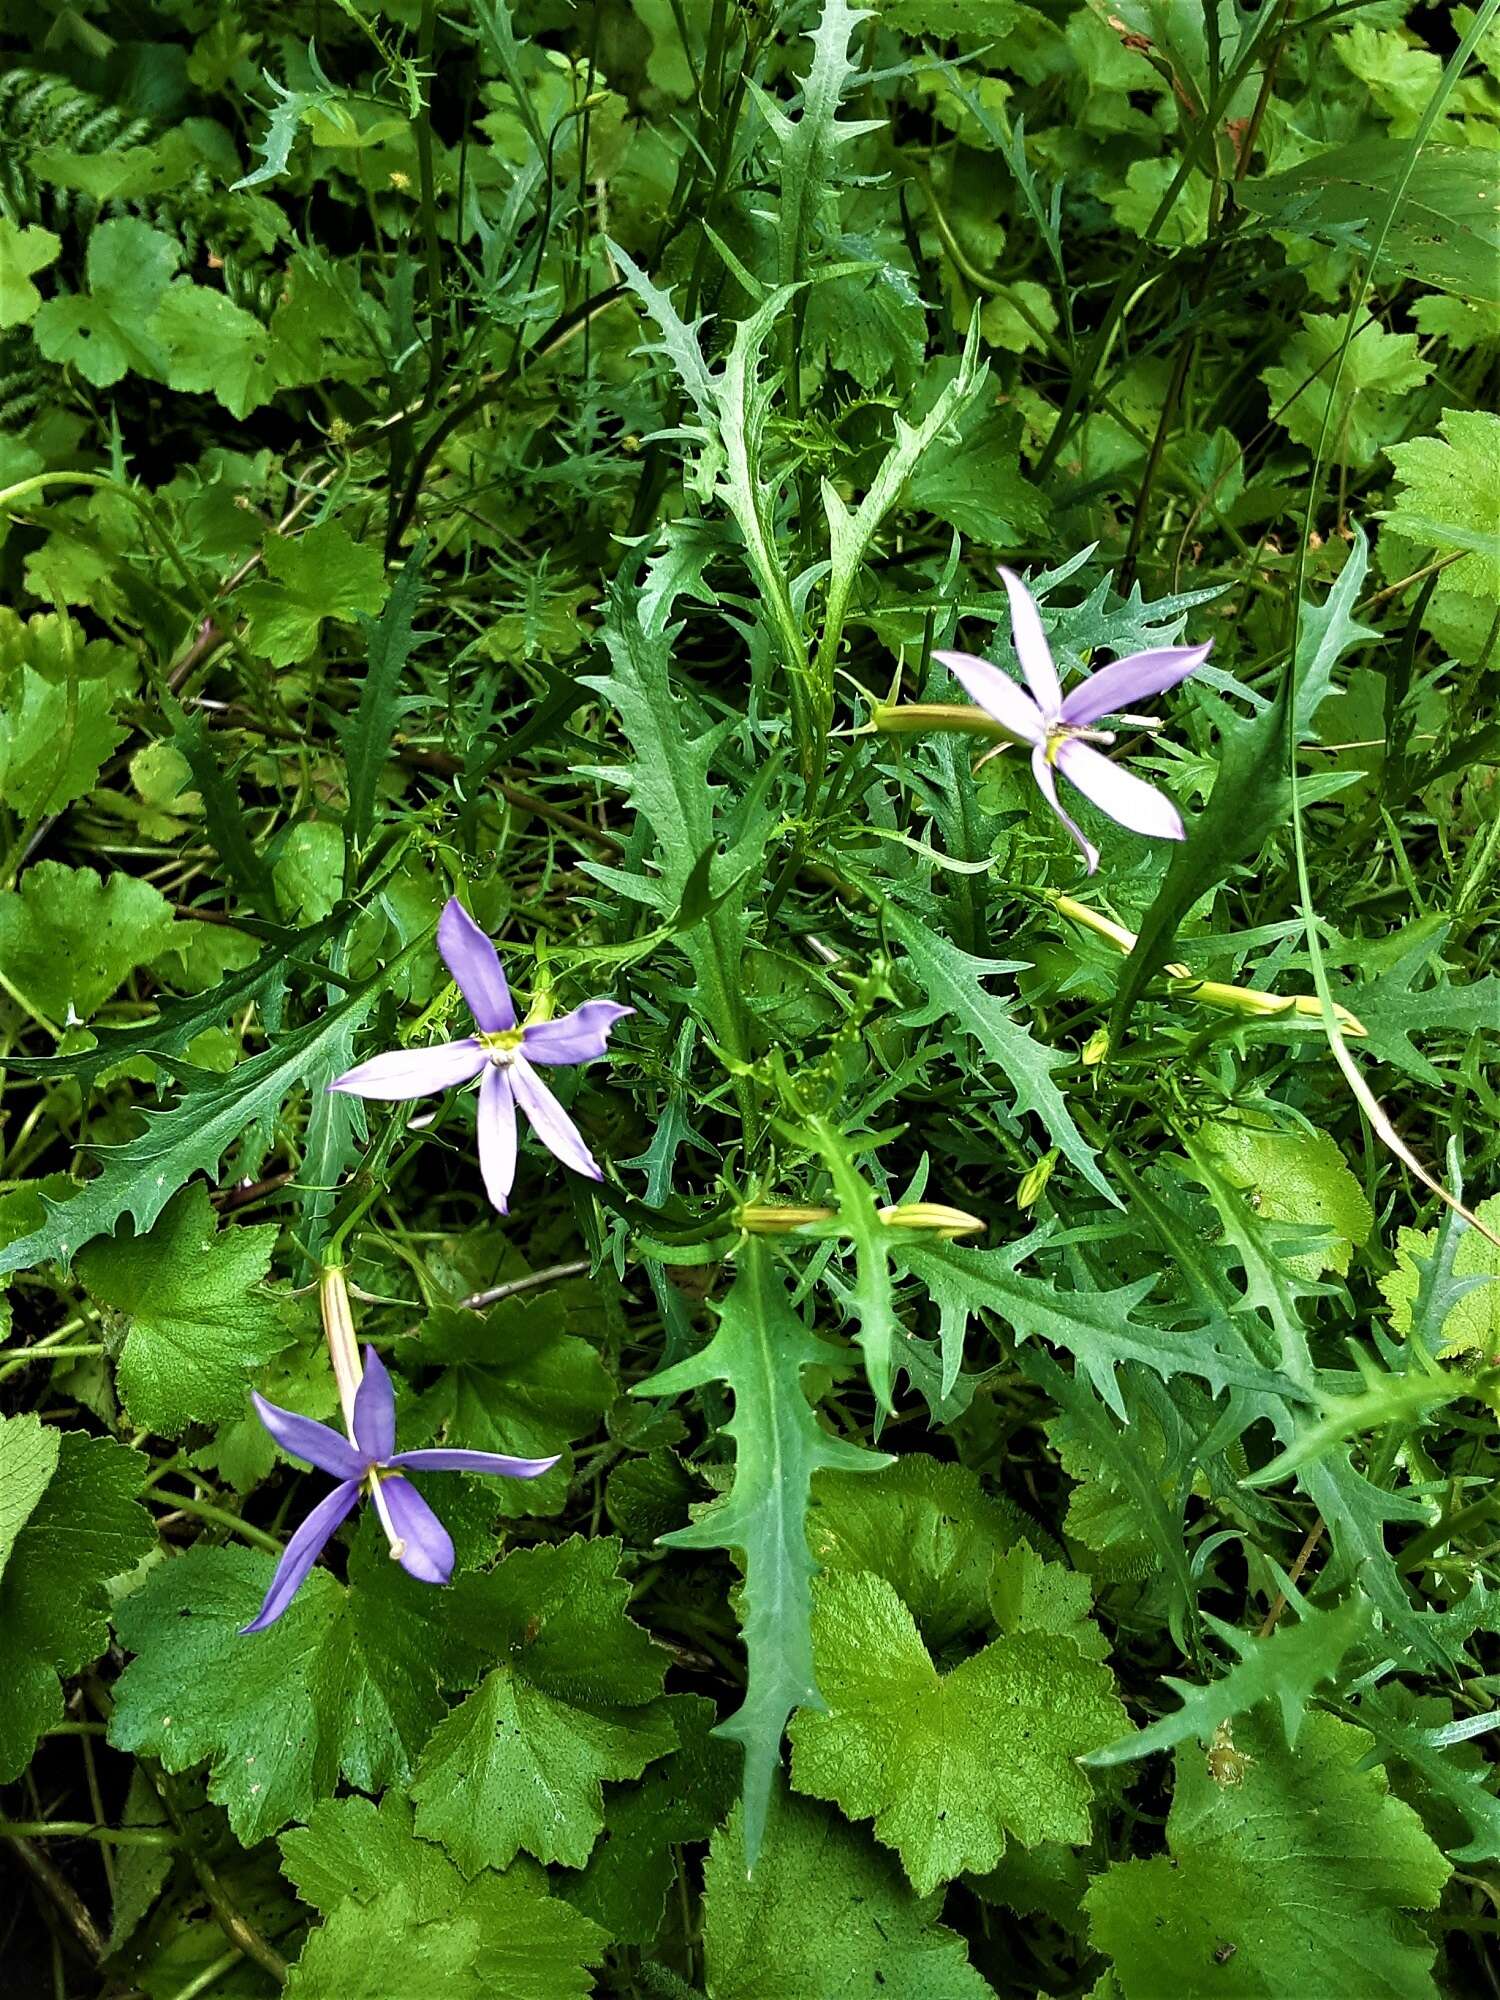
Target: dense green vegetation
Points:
(1017, 1338)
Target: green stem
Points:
(426, 38)
(210, 1975)
(1091, 366)
(221, 1517)
(82, 1829)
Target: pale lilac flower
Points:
(1060, 728)
(501, 1054)
(368, 1462)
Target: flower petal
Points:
(997, 694)
(475, 964)
(426, 1547)
(1031, 646)
(578, 1037)
(1127, 799)
(302, 1551)
(441, 1459)
(403, 1073)
(375, 1411)
(497, 1135)
(1041, 770)
(1120, 686)
(305, 1438)
(550, 1122)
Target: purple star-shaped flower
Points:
(1059, 729)
(502, 1054)
(368, 1462)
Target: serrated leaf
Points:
(759, 1352)
(23, 252)
(529, 1945)
(1248, 802)
(1294, 1880)
(953, 983)
(367, 735)
(871, 324)
(872, 1298)
(1464, 1783)
(680, 343)
(668, 783)
(369, 1951)
(1286, 1667)
(105, 331)
(201, 1322)
(680, 1800)
(823, 1912)
(212, 345)
(223, 813)
(928, 1528)
(1298, 1177)
(318, 575)
(1029, 1594)
(52, 749)
(180, 1022)
(897, 1741)
(1326, 632)
(140, 1178)
(1100, 1328)
(347, 1683)
(1449, 496)
(28, 1459)
(977, 485)
(513, 1381)
(807, 142)
(1393, 1008)
(1386, 1398)
(518, 1763)
(289, 110)
(1465, 1318)
(1362, 402)
(68, 940)
(84, 1528)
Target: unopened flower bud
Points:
(1253, 1000)
(778, 1218)
(784, 1218)
(1096, 1048)
(1030, 1190)
(931, 1215)
(919, 718)
(1208, 992)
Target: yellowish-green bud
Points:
(1208, 992)
(1252, 1000)
(1030, 1190)
(919, 718)
(778, 1218)
(784, 1218)
(338, 1331)
(933, 1215)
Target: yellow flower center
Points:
(502, 1047)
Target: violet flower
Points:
(369, 1463)
(501, 1054)
(1060, 728)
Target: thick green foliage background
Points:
(525, 452)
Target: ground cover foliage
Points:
(533, 455)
